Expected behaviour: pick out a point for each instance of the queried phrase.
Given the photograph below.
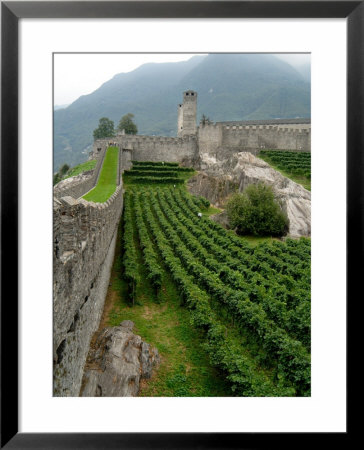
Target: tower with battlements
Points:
(187, 114)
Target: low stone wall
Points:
(266, 136)
(221, 141)
(84, 242)
(183, 150)
(156, 148)
(78, 186)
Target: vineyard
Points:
(250, 303)
(156, 173)
(293, 163)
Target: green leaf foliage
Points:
(64, 169)
(294, 165)
(126, 123)
(256, 212)
(230, 87)
(105, 129)
(252, 304)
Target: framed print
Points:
(36, 39)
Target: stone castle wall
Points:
(209, 138)
(217, 138)
(78, 186)
(266, 136)
(85, 232)
(84, 243)
(180, 120)
(155, 148)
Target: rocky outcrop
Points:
(221, 218)
(117, 361)
(219, 178)
(215, 188)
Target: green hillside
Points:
(229, 86)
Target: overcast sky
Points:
(80, 74)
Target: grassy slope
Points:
(107, 181)
(299, 179)
(211, 210)
(88, 165)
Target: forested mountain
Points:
(229, 86)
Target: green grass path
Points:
(106, 185)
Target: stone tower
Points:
(187, 114)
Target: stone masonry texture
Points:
(84, 241)
(85, 232)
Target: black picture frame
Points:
(11, 12)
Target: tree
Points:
(205, 120)
(64, 169)
(56, 178)
(256, 212)
(105, 129)
(126, 123)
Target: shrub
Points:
(56, 178)
(155, 180)
(150, 173)
(204, 203)
(256, 212)
(201, 202)
(65, 168)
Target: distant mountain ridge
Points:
(56, 107)
(230, 87)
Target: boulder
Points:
(116, 363)
(215, 188)
(219, 178)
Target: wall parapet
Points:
(80, 184)
(274, 128)
(84, 235)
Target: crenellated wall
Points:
(85, 232)
(218, 138)
(78, 186)
(209, 138)
(156, 148)
(84, 243)
(266, 136)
